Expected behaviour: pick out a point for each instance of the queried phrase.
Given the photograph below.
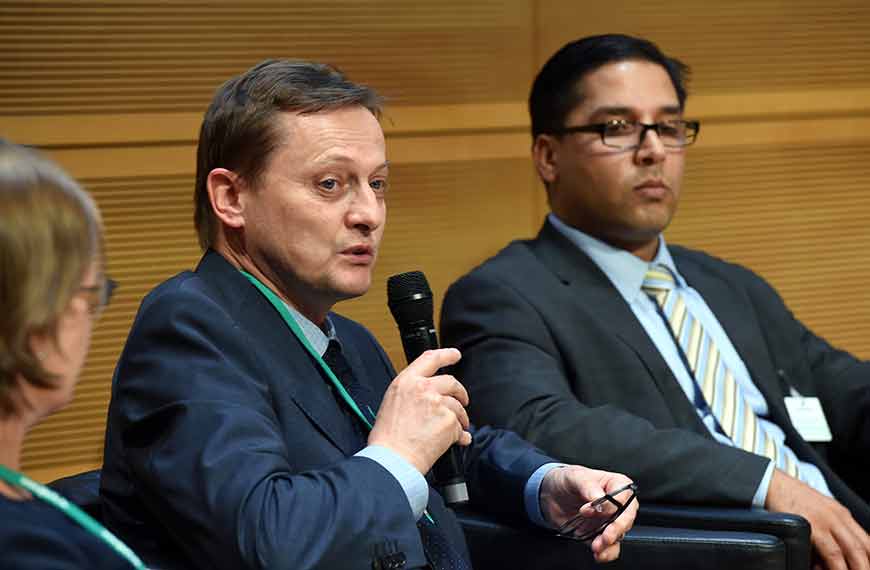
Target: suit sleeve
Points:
(498, 463)
(211, 463)
(517, 378)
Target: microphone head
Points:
(410, 298)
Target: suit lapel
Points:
(291, 370)
(595, 295)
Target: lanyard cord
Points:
(294, 326)
(72, 511)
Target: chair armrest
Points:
(793, 530)
(498, 546)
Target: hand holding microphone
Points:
(423, 412)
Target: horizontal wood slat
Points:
(163, 128)
(398, 120)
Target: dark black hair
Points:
(555, 92)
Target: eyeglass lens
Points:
(100, 295)
(628, 134)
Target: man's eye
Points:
(669, 129)
(378, 185)
(329, 184)
(619, 127)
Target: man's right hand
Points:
(421, 414)
(840, 543)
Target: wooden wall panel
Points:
(797, 214)
(115, 92)
(732, 46)
(89, 57)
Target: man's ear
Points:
(545, 155)
(224, 193)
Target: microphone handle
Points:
(448, 469)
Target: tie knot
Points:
(658, 280)
(334, 357)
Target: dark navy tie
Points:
(360, 394)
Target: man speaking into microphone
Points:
(251, 427)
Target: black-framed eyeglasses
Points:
(624, 134)
(582, 528)
(100, 295)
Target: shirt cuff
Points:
(532, 493)
(761, 494)
(412, 481)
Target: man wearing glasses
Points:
(598, 340)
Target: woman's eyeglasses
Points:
(98, 296)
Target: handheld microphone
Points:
(410, 302)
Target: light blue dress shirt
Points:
(412, 481)
(626, 272)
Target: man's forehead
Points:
(627, 85)
(332, 135)
(350, 120)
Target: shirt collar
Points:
(318, 339)
(624, 270)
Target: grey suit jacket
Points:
(552, 351)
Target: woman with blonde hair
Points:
(52, 289)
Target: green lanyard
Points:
(294, 326)
(73, 512)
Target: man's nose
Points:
(366, 210)
(650, 149)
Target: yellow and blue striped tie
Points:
(718, 386)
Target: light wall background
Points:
(779, 181)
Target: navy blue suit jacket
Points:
(35, 536)
(226, 449)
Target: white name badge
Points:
(808, 418)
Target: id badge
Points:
(808, 418)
